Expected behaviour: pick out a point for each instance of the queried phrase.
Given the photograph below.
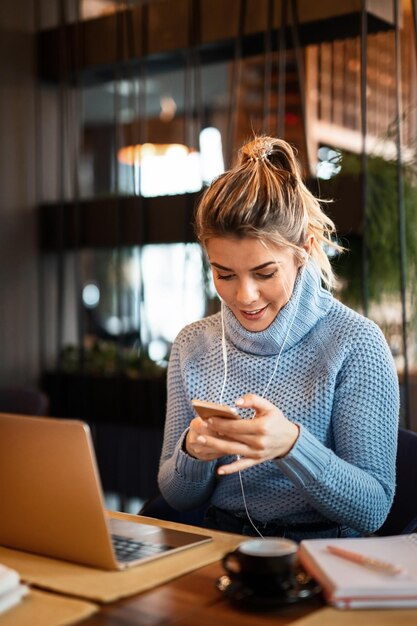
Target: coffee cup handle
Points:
(231, 563)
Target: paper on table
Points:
(11, 591)
(40, 608)
(11, 598)
(9, 579)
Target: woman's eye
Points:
(224, 276)
(266, 276)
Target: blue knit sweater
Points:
(335, 378)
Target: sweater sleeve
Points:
(353, 483)
(185, 482)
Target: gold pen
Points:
(355, 557)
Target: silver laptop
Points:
(51, 501)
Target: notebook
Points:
(350, 584)
(51, 500)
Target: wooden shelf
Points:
(131, 221)
(88, 52)
(116, 221)
(107, 399)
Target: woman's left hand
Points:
(268, 435)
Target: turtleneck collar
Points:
(308, 304)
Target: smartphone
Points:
(211, 409)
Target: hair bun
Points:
(259, 149)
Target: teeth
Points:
(253, 312)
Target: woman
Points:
(315, 456)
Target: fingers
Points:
(238, 428)
(252, 401)
(237, 466)
(199, 426)
(254, 435)
(195, 442)
(256, 440)
(224, 447)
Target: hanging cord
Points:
(75, 162)
(198, 90)
(401, 214)
(364, 157)
(188, 108)
(61, 141)
(131, 79)
(38, 114)
(120, 65)
(193, 98)
(142, 136)
(282, 61)
(266, 123)
(193, 102)
(235, 82)
(137, 93)
(295, 32)
(414, 12)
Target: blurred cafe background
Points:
(114, 116)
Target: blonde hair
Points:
(263, 196)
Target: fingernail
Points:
(239, 401)
(210, 421)
(201, 439)
(220, 472)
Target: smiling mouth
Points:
(253, 314)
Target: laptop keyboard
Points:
(127, 549)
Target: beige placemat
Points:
(40, 608)
(358, 617)
(104, 586)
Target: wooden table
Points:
(192, 600)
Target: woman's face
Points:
(254, 280)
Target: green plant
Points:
(104, 358)
(382, 236)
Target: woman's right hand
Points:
(196, 441)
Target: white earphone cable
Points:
(224, 353)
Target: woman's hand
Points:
(197, 441)
(267, 436)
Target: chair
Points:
(23, 401)
(159, 508)
(402, 518)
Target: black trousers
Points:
(219, 519)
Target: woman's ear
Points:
(306, 250)
(308, 244)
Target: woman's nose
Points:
(247, 292)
